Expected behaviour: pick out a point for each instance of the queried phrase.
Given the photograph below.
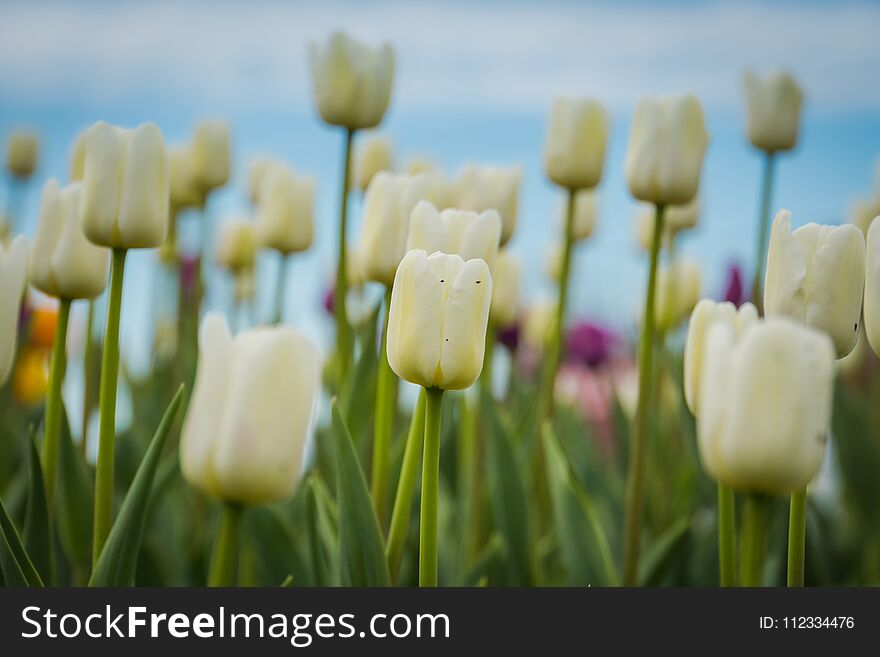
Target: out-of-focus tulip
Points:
(765, 405)
(42, 322)
(257, 170)
(13, 279)
(244, 285)
(481, 188)
(506, 281)
(816, 276)
(539, 324)
(186, 190)
(22, 151)
(211, 153)
(63, 262)
(373, 156)
(252, 409)
(706, 313)
(468, 234)
(284, 220)
(575, 150)
(351, 81)
(78, 157)
(676, 218)
(125, 191)
(872, 286)
(421, 164)
(678, 291)
(5, 231)
(31, 379)
(438, 318)
(236, 248)
(863, 213)
(773, 108)
(734, 290)
(553, 265)
(584, 221)
(588, 344)
(667, 143)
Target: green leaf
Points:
(279, 550)
(583, 543)
(17, 567)
(36, 534)
(116, 565)
(664, 553)
(74, 501)
(322, 519)
(358, 396)
(361, 549)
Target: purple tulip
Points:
(733, 288)
(588, 344)
(509, 336)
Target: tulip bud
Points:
(575, 150)
(63, 262)
(506, 283)
(13, 280)
(773, 107)
(374, 155)
(351, 81)
(125, 192)
(257, 170)
(482, 188)
(554, 262)
(872, 286)
(437, 320)
(676, 218)
(22, 150)
(816, 276)
(678, 290)
(666, 147)
(236, 245)
(421, 164)
(211, 154)
(468, 234)
(540, 324)
(765, 405)
(78, 157)
(244, 286)
(284, 220)
(252, 409)
(185, 189)
(584, 220)
(863, 213)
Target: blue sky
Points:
(474, 83)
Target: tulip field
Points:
(451, 430)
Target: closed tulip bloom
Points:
(765, 405)
(705, 314)
(125, 191)
(438, 318)
(257, 170)
(676, 218)
(252, 409)
(351, 81)
(678, 291)
(482, 188)
(816, 276)
(13, 280)
(373, 156)
(540, 324)
(243, 285)
(211, 153)
(63, 262)
(22, 150)
(872, 286)
(584, 221)
(78, 157)
(236, 245)
(863, 213)
(468, 234)
(575, 151)
(284, 220)
(184, 187)
(773, 108)
(506, 283)
(667, 143)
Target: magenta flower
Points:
(733, 287)
(588, 344)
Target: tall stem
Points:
(224, 559)
(52, 422)
(406, 486)
(383, 421)
(764, 219)
(797, 537)
(488, 358)
(107, 406)
(280, 289)
(635, 481)
(428, 521)
(87, 379)
(751, 572)
(343, 333)
(726, 536)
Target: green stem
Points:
(280, 288)
(469, 454)
(107, 406)
(751, 570)
(52, 420)
(428, 521)
(797, 537)
(343, 333)
(224, 559)
(635, 481)
(726, 536)
(488, 358)
(383, 422)
(406, 486)
(87, 379)
(763, 226)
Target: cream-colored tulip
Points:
(22, 151)
(667, 143)
(678, 291)
(13, 280)
(421, 164)
(872, 286)
(468, 234)
(257, 170)
(211, 153)
(244, 285)
(185, 188)
(676, 219)
(481, 188)
(285, 216)
(773, 108)
(540, 324)
(351, 81)
(236, 248)
(125, 192)
(706, 313)
(584, 220)
(863, 213)
(765, 405)
(506, 283)
(553, 263)
(816, 276)
(373, 155)
(63, 262)
(438, 318)
(77, 165)
(574, 154)
(388, 204)
(252, 409)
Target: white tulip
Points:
(584, 220)
(236, 248)
(78, 156)
(574, 154)
(257, 170)
(481, 188)
(13, 280)
(284, 219)
(22, 150)
(468, 234)
(373, 155)
(773, 107)
(185, 188)
(506, 283)
(211, 153)
(678, 291)
(872, 286)
(540, 324)
(863, 213)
